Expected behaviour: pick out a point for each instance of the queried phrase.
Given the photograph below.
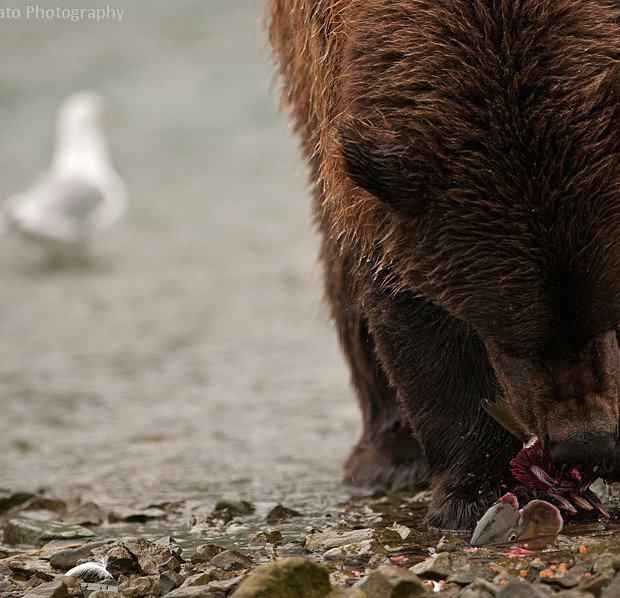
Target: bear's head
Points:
(505, 211)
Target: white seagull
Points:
(81, 193)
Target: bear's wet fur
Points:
(464, 161)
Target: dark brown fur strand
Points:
(464, 157)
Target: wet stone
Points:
(392, 582)
(205, 552)
(34, 533)
(450, 543)
(334, 538)
(280, 513)
(231, 560)
(136, 515)
(440, 565)
(470, 573)
(263, 538)
(292, 549)
(233, 508)
(26, 567)
(87, 514)
(293, 576)
(67, 558)
(9, 499)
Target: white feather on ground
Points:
(91, 570)
(81, 193)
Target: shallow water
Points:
(195, 359)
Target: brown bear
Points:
(464, 159)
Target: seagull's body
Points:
(81, 193)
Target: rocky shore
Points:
(377, 549)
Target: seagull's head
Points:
(83, 108)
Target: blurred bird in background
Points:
(81, 193)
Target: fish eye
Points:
(512, 537)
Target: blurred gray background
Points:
(195, 358)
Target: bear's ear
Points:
(378, 161)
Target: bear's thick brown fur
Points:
(464, 156)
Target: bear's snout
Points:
(590, 449)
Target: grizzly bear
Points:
(464, 161)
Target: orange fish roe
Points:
(523, 573)
(503, 582)
(562, 567)
(582, 548)
(546, 573)
(587, 575)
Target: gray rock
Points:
(392, 582)
(9, 499)
(473, 591)
(522, 589)
(280, 513)
(67, 558)
(470, 573)
(205, 552)
(168, 581)
(98, 590)
(52, 589)
(337, 537)
(612, 590)
(354, 555)
(596, 583)
(120, 560)
(26, 567)
(134, 555)
(231, 560)
(34, 533)
(292, 549)
(451, 543)
(87, 514)
(264, 538)
(233, 508)
(196, 592)
(136, 515)
(440, 565)
(572, 594)
(291, 577)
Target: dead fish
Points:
(505, 522)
